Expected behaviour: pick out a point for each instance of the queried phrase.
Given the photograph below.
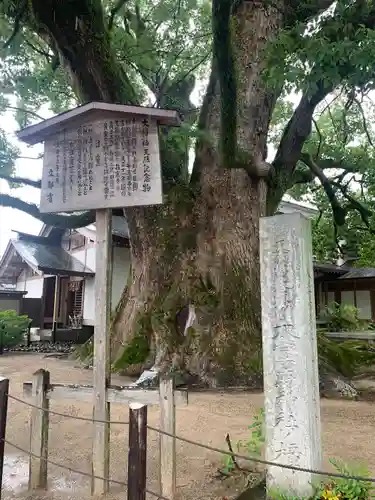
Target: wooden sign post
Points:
(102, 354)
(101, 156)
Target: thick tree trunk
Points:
(205, 256)
(202, 248)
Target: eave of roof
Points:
(49, 259)
(47, 128)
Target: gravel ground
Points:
(347, 431)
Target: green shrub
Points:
(341, 317)
(343, 357)
(12, 327)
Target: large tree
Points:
(201, 247)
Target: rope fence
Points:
(136, 485)
(184, 440)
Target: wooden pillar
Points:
(101, 372)
(167, 443)
(137, 451)
(56, 308)
(39, 428)
(43, 303)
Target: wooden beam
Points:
(115, 394)
(102, 355)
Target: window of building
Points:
(77, 240)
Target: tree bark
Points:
(202, 248)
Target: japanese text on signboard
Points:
(103, 164)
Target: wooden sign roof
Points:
(47, 128)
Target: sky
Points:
(11, 219)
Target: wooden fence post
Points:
(4, 389)
(39, 431)
(167, 443)
(137, 457)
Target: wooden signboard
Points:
(105, 163)
(101, 156)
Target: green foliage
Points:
(336, 488)
(12, 327)
(347, 489)
(341, 317)
(276, 494)
(253, 446)
(8, 155)
(342, 147)
(344, 357)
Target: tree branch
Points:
(339, 213)
(364, 122)
(303, 175)
(320, 137)
(298, 130)
(21, 157)
(39, 51)
(115, 10)
(21, 180)
(56, 220)
(27, 111)
(79, 32)
(354, 204)
(17, 23)
(202, 124)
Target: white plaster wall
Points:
(86, 257)
(364, 304)
(33, 286)
(347, 297)
(89, 302)
(20, 285)
(121, 267)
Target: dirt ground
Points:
(348, 430)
